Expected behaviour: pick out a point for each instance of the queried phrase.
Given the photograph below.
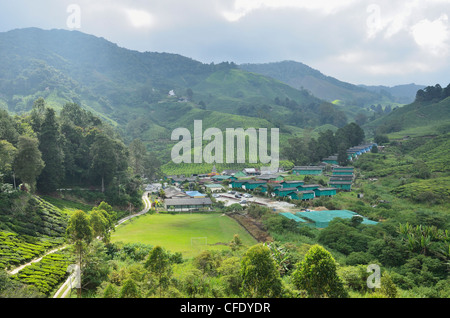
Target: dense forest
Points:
(44, 153)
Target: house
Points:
(214, 187)
(237, 183)
(341, 184)
(284, 192)
(307, 170)
(264, 187)
(339, 171)
(251, 171)
(229, 172)
(308, 187)
(221, 178)
(332, 160)
(290, 184)
(271, 177)
(240, 174)
(252, 184)
(172, 193)
(343, 177)
(324, 192)
(195, 194)
(187, 204)
(306, 195)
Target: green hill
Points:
(147, 95)
(299, 75)
(416, 119)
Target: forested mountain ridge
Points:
(299, 75)
(147, 94)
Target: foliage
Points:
(317, 275)
(47, 273)
(260, 275)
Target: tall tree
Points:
(159, 264)
(107, 158)
(28, 163)
(260, 275)
(50, 146)
(37, 114)
(80, 233)
(137, 156)
(7, 154)
(317, 275)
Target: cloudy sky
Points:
(377, 42)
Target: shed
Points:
(214, 187)
(187, 204)
(290, 184)
(342, 184)
(325, 192)
(238, 183)
(308, 187)
(307, 170)
(252, 184)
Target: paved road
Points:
(147, 206)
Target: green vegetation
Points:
(176, 231)
(18, 249)
(46, 274)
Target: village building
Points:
(307, 170)
(324, 192)
(188, 204)
(214, 187)
(290, 184)
(341, 184)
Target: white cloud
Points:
(140, 18)
(244, 7)
(433, 36)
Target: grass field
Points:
(175, 232)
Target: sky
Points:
(377, 42)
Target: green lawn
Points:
(174, 232)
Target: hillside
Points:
(299, 75)
(416, 119)
(147, 95)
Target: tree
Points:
(52, 175)
(28, 163)
(388, 287)
(105, 158)
(37, 114)
(260, 276)
(80, 233)
(7, 154)
(129, 289)
(342, 156)
(317, 275)
(230, 274)
(137, 156)
(159, 264)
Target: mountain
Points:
(148, 94)
(404, 94)
(299, 75)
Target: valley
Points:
(86, 167)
